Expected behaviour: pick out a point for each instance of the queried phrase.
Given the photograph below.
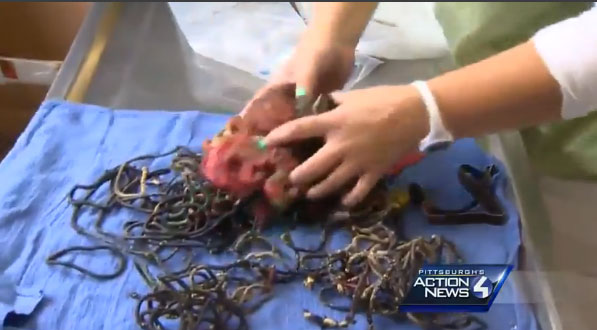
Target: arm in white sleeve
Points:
(569, 50)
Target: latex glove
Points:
(365, 136)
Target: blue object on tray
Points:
(65, 144)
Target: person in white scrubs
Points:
(522, 66)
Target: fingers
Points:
(298, 129)
(307, 82)
(316, 166)
(334, 182)
(360, 190)
(315, 76)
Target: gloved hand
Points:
(317, 65)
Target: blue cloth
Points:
(65, 144)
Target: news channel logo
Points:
(455, 288)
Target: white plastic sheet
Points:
(149, 62)
(255, 37)
(399, 31)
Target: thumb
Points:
(299, 129)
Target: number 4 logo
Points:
(482, 287)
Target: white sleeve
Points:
(569, 49)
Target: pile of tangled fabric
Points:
(218, 202)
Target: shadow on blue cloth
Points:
(65, 144)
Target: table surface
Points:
(69, 143)
(133, 56)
